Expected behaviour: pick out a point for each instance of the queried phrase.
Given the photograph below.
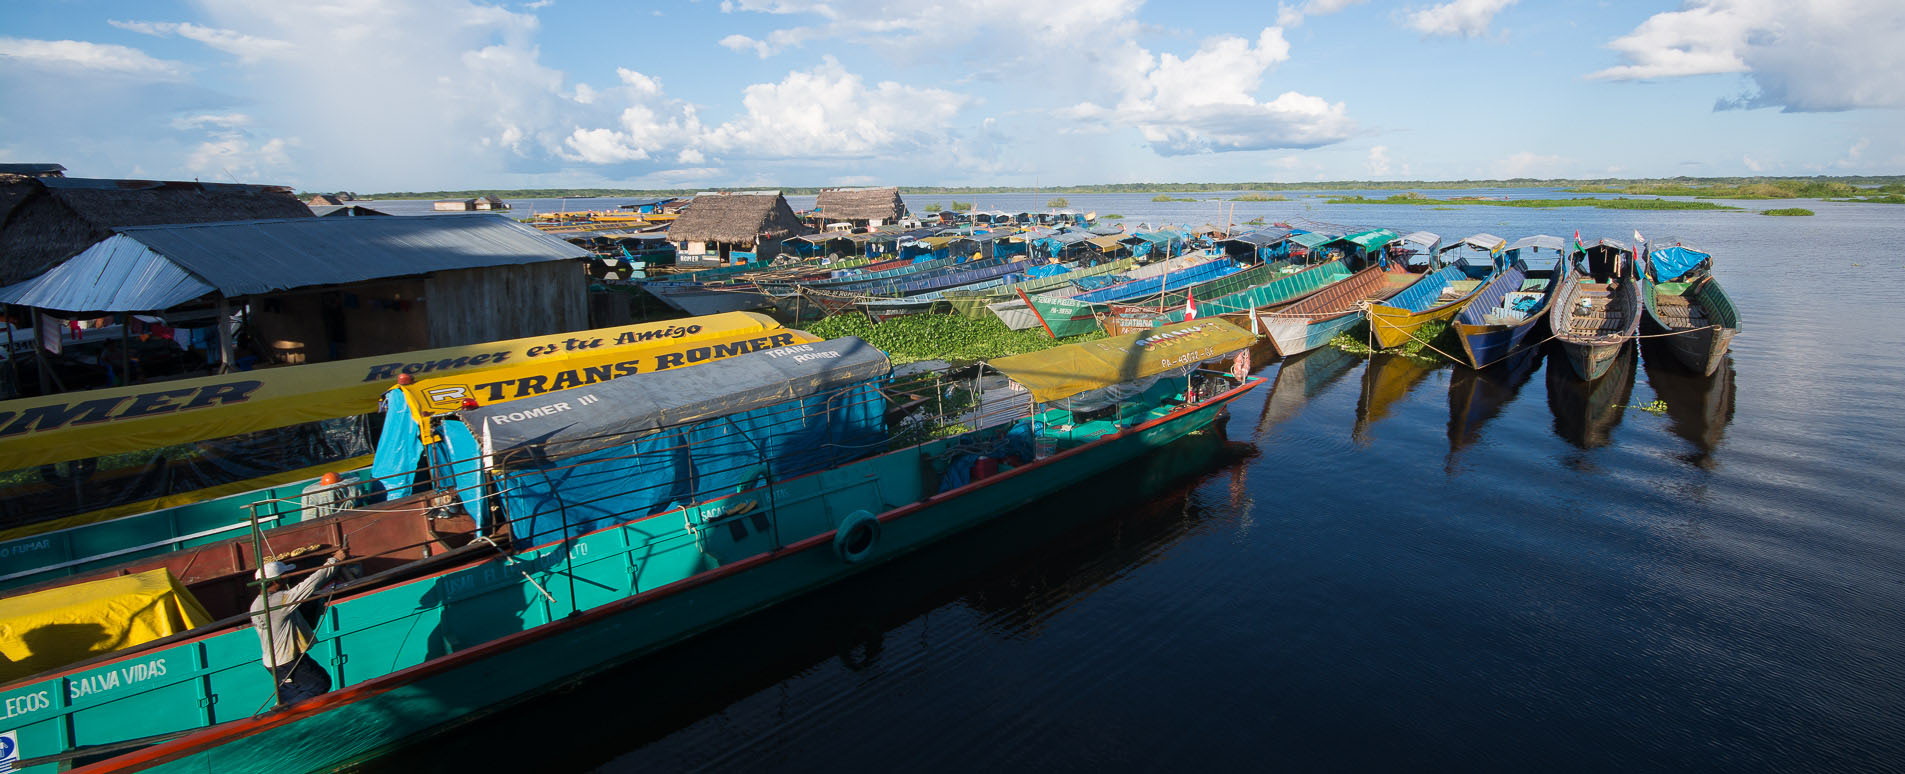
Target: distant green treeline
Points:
(1718, 187)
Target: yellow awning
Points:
(52, 628)
(1061, 372)
(430, 397)
(70, 426)
(1107, 243)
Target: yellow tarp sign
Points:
(430, 397)
(50, 629)
(1061, 372)
(70, 426)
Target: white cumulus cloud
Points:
(1801, 57)
(1465, 18)
(1379, 160)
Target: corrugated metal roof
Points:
(1260, 238)
(1483, 242)
(117, 275)
(1313, 239)
(260, 256)
(1428, 239)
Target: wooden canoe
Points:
(1698, 316)
(1313, 321)
(1438, 295)
(1491, 327)
(1593, 322)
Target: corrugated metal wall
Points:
(468, 306)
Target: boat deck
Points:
(1597, 318)
(1679, 312)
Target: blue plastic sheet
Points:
(695, 463)
(1048, 270)
(1672, 262)
(459, 458)
(398, 449)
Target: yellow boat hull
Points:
(1394, 326)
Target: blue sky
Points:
(375, 95)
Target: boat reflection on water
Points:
(1698, 407)
(1386, 380)
(717, 700)
(1586, 413)
(1477, 396)
(1301, 378)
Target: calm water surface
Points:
(1377, 565)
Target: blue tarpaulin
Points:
(1672, 262)
(1048, 270)
(398, 449)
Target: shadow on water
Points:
(1016, 570)
(1586, 413)
(1386, 381)
(1698, 407)
(1475, 397)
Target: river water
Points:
(1376, 565)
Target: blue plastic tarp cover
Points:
(1048, 270)
(1672, 262)
(398, 449)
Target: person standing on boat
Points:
(283, 635)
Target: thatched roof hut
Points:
(869, 204)
(324, 200)
(46, 220)
(736, 218)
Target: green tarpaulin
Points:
(1062, 372)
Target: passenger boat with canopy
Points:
(1444, 289)
(182, 476)
(547, 538)
(1495, 325)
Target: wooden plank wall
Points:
(470, 306)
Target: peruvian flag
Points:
(1190, 305)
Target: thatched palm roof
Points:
(324, 200)
(735, 219)
(45, 220)
(860, 204)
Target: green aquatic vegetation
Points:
(1604, 204)
(1257, 197)
(1438, 334)
(1111, 216)
(1758, 189)
(1879, 199)
(1170, 198)
(1059, 202)
(934, 207)
(1656, 407)
(1787, 211)
(914, 337)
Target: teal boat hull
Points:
(634, 587)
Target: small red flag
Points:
(1190, 305)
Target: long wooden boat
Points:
(1313, 321)
(299, 402)
(901, 291)
(1698, 319)
(1293, 284)
(1497, 321)
(580, 549)
(1438, 295)
(1080, 314)
(972, 303)
(1586, 412)
(1018, 316)
(1593, 321)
